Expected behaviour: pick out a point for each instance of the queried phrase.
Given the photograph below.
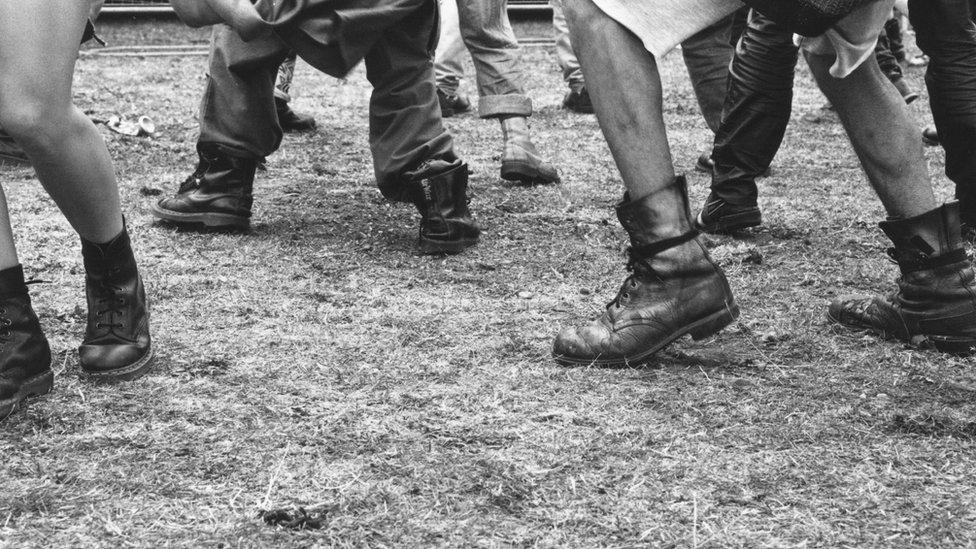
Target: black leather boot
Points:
(935, 303)
(117, 345)
(439, 189)
(25, 357)
(291, 121)
(675, 289)
(217, 195)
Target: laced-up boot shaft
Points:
(935, 302)
(675, 288)
(25, 356)
(439, 189)
(218, 194)
(117, 344)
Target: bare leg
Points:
(36, 109)
(883, 134)
(625, 87)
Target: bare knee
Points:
(34, 123)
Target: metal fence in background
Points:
(162, 6)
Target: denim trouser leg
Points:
(757, 109)
(489, 37)
(449, 57)
(405, 127)
(568, 62)
(945, 31)
(707, 56)
(237, 114)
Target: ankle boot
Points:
(521, 162)
(117, 345)
(675, 288)
(217, 195)
(935, 303)
(439, 190)
(25, 357)
(291, 121)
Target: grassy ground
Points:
(320, 363)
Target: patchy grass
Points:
(319, 383)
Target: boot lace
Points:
(192, 181)
(110, 302)
(638, 267)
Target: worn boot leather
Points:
(521, 161)
(25, 357)
(117, 345)
(217, 195)
(935, 303)
(675, 288)
(439, 190)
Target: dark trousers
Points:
(238, 117)
(757, 109)
(945, 31)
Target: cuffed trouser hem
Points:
(496, 106)
(223, 149)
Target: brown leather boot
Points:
(439, 189)
(25, 357)
(935, 303)
(675, 288)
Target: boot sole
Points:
(698, 330)
(433, 247)
(207, 219)
(130, 372)
(962, 346)
(33, 387)
(526, 174)
(731, 223)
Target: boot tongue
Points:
(114, 253)
(12, 281)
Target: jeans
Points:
(946, 32)
(707, 55)
(483, 27)
(238, 118)
(568, 62)
(757, 109)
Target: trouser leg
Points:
(886, 59)
(489, 37)
(405, 127)
(945, 31)
(286, 74)
(449, 57)
(757, 109)
(237, 114)
(707, 55)
(572, 73)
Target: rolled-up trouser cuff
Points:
(496, 106)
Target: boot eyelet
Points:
(625, 295)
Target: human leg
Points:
(707, 55)
(413, 155)
(38, 48)
(892, 69)
(449, 61)
(238, 127)
(488, 35)
(946, 33)
(936, 299)
(757, 111)
(288, 119)
(675, 289)
(577, 99)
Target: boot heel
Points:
(39, 385)
(714, 323)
